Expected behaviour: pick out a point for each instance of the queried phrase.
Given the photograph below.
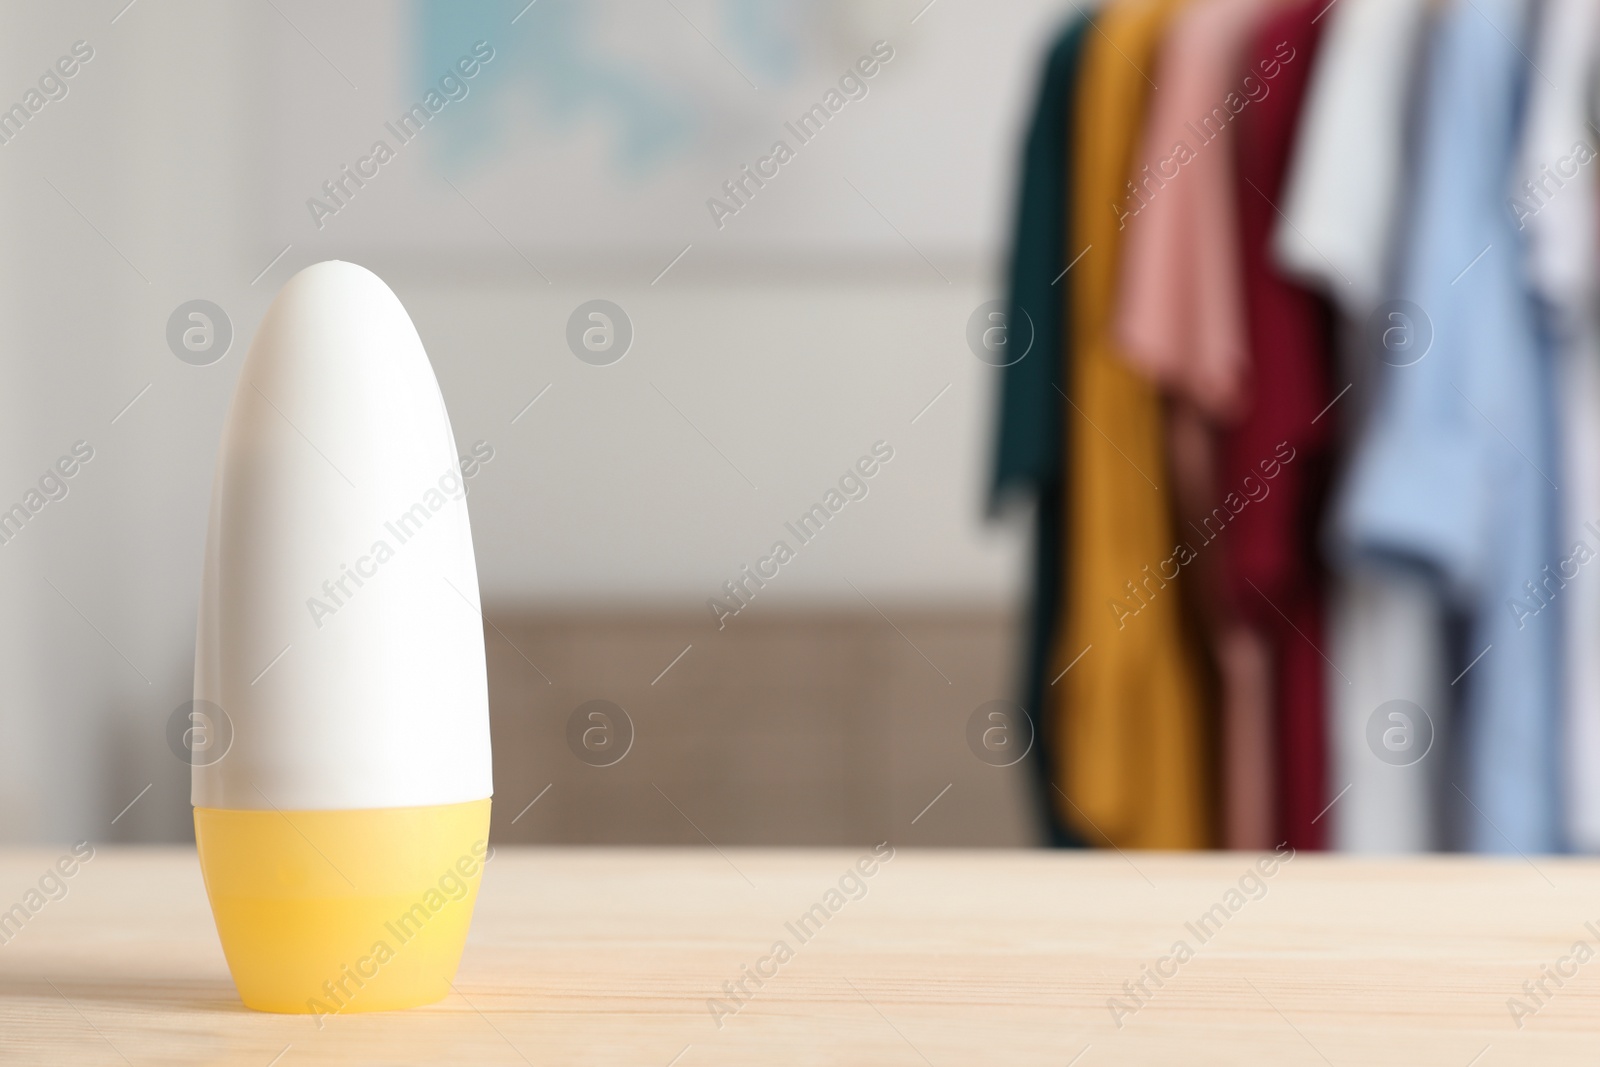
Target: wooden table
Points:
(949, 958)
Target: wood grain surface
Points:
(614, 956)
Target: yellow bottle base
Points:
(326, 912)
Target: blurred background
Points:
(1227, 373)
(768, 354)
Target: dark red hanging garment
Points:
(1280, 450)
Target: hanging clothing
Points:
(1553, 200)
(1181, 321)
(1242, 655)
(1132, 741)
(1342, 193)
(1180, 310)
(1457, 466)
(1028, 456)
(1280, 452)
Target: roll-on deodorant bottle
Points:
(342, 810)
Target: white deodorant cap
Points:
(340, 631)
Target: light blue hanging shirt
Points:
(1457, 468)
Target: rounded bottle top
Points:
(339, 658)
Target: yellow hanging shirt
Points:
(1131, 737)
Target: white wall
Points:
(600, 495)
(604, 493)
